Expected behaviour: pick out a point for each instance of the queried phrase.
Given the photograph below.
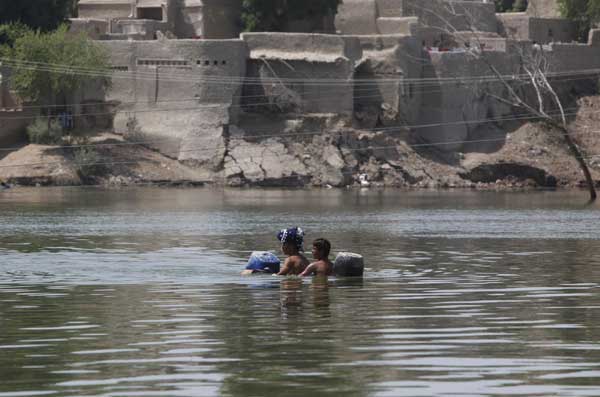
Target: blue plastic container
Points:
(264, 262)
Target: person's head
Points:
(291, 240)
(321, 248)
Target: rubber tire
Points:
(348, 264)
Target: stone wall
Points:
(457, 105)
(185, 19)
(301, 73)
(460, 15)
(210, 19)
(104, 9)
(94, 28)
(365, 17)
(521, 26)
(573, 57)
(385, 92)
(543, 9)
(357, 17)
(176, 90)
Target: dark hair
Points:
(323, 245)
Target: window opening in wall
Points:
(200, 62)
(150, 13)
(162, 62)
(120, 68)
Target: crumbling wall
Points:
(573, 57)
(142, 29)
(94, 28)
(521, 26)
(207, 71)
(368, 17)
(462, 98)
(106, 10)
(171, 92)
(543, 8)
(357, 17)
(209, 19)
(460, 15)
(386, 92)
(300, 73)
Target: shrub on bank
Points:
(45, 132)
(87, 162)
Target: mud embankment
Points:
(530, 156)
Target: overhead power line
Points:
(188, 76)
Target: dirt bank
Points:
(529, 155)
(117, 162)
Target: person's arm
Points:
(285, 270)
(310, 269)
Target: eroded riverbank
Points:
(525, 157)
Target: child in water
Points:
(291, 245)
(322, 266)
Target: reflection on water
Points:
(138, 293)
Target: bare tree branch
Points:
(533, 61)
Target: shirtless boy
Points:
(322, 266)
(291, 245)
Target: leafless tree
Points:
(459, 22)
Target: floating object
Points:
(263, 262)
(364, 180)
(347, 264)
(4, 186)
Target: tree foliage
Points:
(10, 32)
(510, 5)
(37, 14)
(584, 12)
(274, 15)
(44, 132)
(52, 66)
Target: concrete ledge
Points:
(302, 47)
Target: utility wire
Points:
(216, 79)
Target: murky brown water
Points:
(137, 293)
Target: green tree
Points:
(274, 15)
(37, 14)
(519, 5)
(584, 12)
(50, 67)
(10, 32)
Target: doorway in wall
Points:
(155, 13)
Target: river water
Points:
(137, 292)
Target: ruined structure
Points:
(397, 70)
(206, 101)
(142, 19)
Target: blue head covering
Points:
(293, 235)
